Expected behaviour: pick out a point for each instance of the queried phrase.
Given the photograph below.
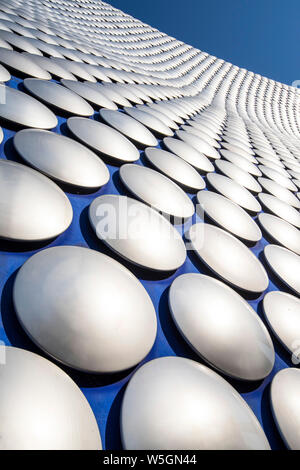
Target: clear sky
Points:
(259, 35)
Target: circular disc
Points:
(84, 309)
(76, 68)
(23, 64)
(228, 257)
(52, 67)
(280, 192)
(277, 177)
(175, 168)
(174, 403)
(61, 158)
(198, 144)
(267, 153)
(248, 154)
(19, 42)
(103, 139)
(34, 113)
(201, 306)
(202, 127)
(150, 121)
(128, 126)
(281, 231)
(202, 135)
(128, 92)
(240, 141)
(32, 207)
(234, 191)
(111, 92)
(189, 154)
(137, 232)
(285, 389)
(155, 189)
(58, 96)
(238, 175)
(280, 208)
(270, 164)
(162, 108)
(161, 116)
(92, 95)
(285, 264)
(41, 407)
(241, 162)
(229, 216)
(282, 312)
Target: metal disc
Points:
(195, 301)
(50, 66)
(280, 208)
(234, 191)
(189, 154)
(161, 116)
(270, 164)
(76, 68)
(282, 312)
(202, 135)
(19, 42)
(90, 94)
(281, 231)
(156, 413)
(175, 168)
(277, 177)
(137, 232)
(280, 192)
(128, 126)
(34, 113)
(285, 389)
(111, 92)
(228, 257)
(241, 162)
(155, 189)
(58, 96)
(32, 206)
(248, 154)
(103, 139)
(41, 407)
(238, 175)
(61, 158)
(148, 120)
(22, 63)
(84, 309)
(285, 264)
(229, 216)
(199, 144)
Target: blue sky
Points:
(259, 35)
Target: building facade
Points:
(149, 227)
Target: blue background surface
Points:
(260, 35)
(104, 393)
